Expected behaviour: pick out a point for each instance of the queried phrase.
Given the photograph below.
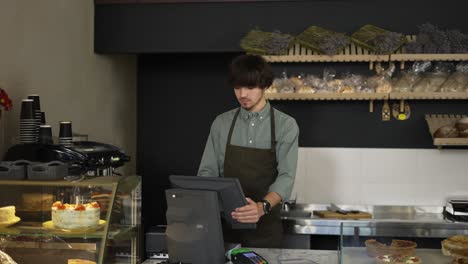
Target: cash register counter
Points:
(289, 256)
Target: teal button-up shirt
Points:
(253, 130)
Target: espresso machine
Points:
(83, 157)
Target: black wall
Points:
(184, 50)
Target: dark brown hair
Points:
(250, 71)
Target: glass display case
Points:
(96, 219)
(403, 242)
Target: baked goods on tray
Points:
(391, 259)
(456, 246)
(396, 248)
(74, 216)
(80, 261)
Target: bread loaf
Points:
(446, 132)
(462, 124)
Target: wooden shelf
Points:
(430, 96)
(354, 53)
(369, 96)
(434, 122)
(351, 53)
(326, 96)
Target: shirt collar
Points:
(265, 112)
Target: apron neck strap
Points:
(232, 126)
(273, 134)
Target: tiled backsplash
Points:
(358, 176)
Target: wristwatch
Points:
(266, 206)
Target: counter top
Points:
(289, 256)
(350, 255)
(415, 221)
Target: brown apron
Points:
(256, 170)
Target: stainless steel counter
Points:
(405, 221)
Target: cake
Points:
(73, 216)
(396, 248)
(36, 201)
(456, 246)
(390, 259)
(80, 261)
(7, 214)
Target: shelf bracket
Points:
(378, 68)
(371, 106)
(402, 65)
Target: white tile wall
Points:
(359, 176)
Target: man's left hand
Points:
(250, 213)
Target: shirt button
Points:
(261, 117)
(253, 124)
(250, 141)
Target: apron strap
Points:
(273, 134)
(232, 127)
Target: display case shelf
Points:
(434, 122)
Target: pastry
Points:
(271, 89)
(446, 132)
(298, 81)
(462, 124)
(80, 261)
(36, 201)
(346, 89)
(305, 89)
(72, 216)
(463, 133)
(397, 248)
(456, 246)
(7, 214)
(460, 261)
(391, 259)
(384, 87)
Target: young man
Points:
(258, 145)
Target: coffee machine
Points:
(83, 157)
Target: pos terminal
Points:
(194, 233)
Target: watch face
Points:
(266, 206)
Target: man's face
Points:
(249, 97)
